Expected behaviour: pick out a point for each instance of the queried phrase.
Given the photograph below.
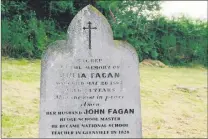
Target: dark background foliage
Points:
(28, 26)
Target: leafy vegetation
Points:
(28, 26)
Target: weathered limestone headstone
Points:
(90, 83)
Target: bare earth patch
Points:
(174, 100)
(149, 62)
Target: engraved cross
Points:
(89, 27)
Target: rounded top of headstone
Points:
(78, 30)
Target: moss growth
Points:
(92, 8)
(117, 43)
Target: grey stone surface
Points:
(90, 93)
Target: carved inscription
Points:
(92, 83)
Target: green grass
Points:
(174, 100)
(21, 70)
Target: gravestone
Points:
(90, 83)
